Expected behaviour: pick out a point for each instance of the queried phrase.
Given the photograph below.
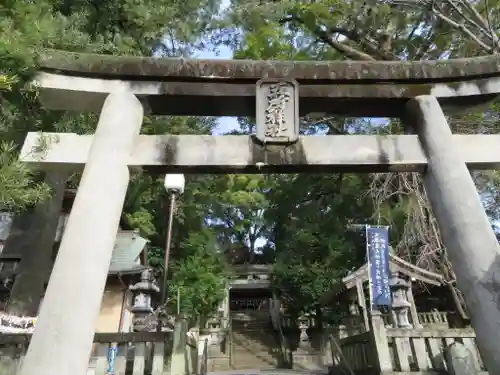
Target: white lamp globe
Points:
(174, 183)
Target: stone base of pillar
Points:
(307, 358)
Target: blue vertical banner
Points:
(113, 350)
(377, 249)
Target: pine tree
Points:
(118, 27)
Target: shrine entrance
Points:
(249, 299)
(123, 89)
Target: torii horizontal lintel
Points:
(244, 154)
(190, 87)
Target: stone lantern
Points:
(400, 305)
(143, 320)
(305, 357)
(303, 323)
(216, 334)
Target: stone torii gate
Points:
(123, 88)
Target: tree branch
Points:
(463, 28)
(349, 52)
(494, 36)
(367, 44)
(475, 19)
(457, 9)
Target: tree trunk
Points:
(32, 239)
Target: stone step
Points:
(252, 366)
(262, 318)
(239, 365)
(246, 346)
(257, 333)
(252, 358)
(241, 358)
(253, 363)
(264, 340)
(260, 332)
(250, 348)
(256, 321)
(251, 326)
(219, 364)
(221, 368)
(254, 347)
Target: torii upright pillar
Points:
(64, 334)
(466, 231)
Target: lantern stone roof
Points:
(396, 264)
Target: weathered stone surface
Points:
(277, 116)
(72, 301)
(244, 154)
(227, 87)
(63, 92)
(466, 231)
(165, 69)
(459, 360)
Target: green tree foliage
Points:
(18, 187)
(118, 27)
(26, 27)
(313, 244)
(200, 277)
(365, 30)
(237, 212)
(299, 222)
(109, 27)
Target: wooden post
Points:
(382, 355)
(178, 361)
(423, 361)
(362, 303)
(413, 308)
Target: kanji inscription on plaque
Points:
(277, 111)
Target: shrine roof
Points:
(133, 67)
(397, 264)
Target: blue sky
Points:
(225, 124)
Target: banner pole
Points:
(368, 263)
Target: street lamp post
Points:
(174, 185)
